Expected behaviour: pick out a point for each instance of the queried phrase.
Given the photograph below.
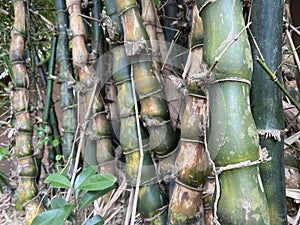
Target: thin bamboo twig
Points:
(47, 22)
(217, 59)
(276, 81)
(81, 139)
(296, 57)
(138, 180)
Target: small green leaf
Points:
(58, 157)
(3, 152)
(95, 220)
(98, 182)
(55, 142)
(43, 142)
(57, 180)
(54, 216)
(3, 178)
(91, 196)
(84, 175)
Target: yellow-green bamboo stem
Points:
(154, 109)
(232, 137)
(154, 212)
(27, 171)
(192, 163)
(149, 191)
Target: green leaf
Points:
(3, 178)
(54, 216)
(91, 196)
(95, 220)
(84, 175)
(3, 152)
(58, 157)
(57, 180)
(43, 142)
(55, 142)
(58, 203)
(98, 182)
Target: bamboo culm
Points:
(232, 135)
(66, 80)
(149, 190)
(192, 163)
(26, 195)
(88, 79)
(267, 98)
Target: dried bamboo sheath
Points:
(27, 171)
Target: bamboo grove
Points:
(164, 94)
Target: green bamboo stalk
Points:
(232, 136)
(149, 191)
(51, 67)
(48, 117)
(267, 98)
(66, 80)
(192, 162)
(154, 109)
(27, 171)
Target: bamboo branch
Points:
(277, 82)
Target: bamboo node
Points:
(161, 157)
(133, 48)
(150, 94)
(263, 157)
(15, 31)
(191, 140)
(145, 147)
(206, 3)
(232, 79)
(197, 189)
(127, 8)
(161, 211)
(149, 121)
